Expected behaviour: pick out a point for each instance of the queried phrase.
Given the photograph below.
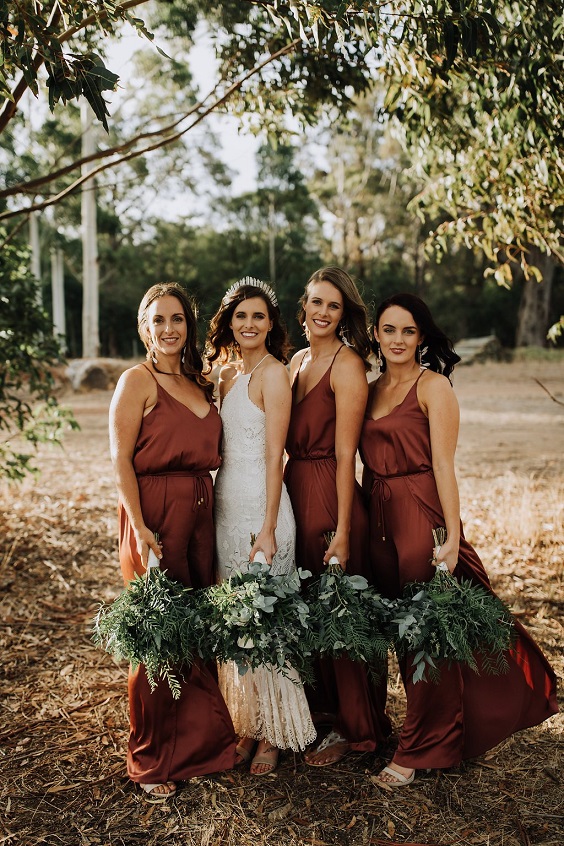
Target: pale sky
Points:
(238, 149)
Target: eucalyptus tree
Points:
(501, 60)
(29, 413)
(487, 140)
(275, 58)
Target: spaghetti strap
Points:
(328, 371)
(151, 372)
(256, 365)
(335, 356)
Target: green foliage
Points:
(29, 412)
(487, 138)
(255, 618)
(152, 622)
(346, 616)
(71, 77)
(322, 49)
(450, 620)
(29, 30)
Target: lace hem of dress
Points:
(265, 704)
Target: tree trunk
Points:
(90, 307)
(533, 318)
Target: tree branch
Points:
(10, 107)
(545, 389)
(170, 139)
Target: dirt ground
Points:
(63, 709)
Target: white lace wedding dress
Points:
(262, 703)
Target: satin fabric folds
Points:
(466, 713)
(193, 735)
(343, 687)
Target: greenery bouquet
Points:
(447, 619)
(255, 618)
(347, 616)
(153, 622)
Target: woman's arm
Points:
(131, 397)
(277, 401)
(441, 406)
(295, 363)
(348, 380)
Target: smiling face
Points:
(166, 325)
(250, 323)
(323, 309)
(398, 335)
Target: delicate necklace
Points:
(164, 372)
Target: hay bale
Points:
(95, 374)
(472, 350)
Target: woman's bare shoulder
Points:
(228, 371)
(136, 376)
(275, 373)
(297, 359)
(348, 361)
(434, 390)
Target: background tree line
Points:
(392, 136)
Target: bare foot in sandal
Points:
(157, 794)
(394, 776)
(265, 760)
(244, 749)
(331, 750)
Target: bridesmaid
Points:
(165, 436)
(408, 444)
(329, 390)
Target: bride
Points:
(246, 334)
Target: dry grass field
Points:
(63, 709)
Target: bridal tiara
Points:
(255, 283)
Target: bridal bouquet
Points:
(347, 616)
(447, 619)
(255, 618)
(152, 622)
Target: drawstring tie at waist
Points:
(311, 458)
(382, 492)
(201, 493)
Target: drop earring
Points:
(183, 358)
(421, 357)
(379, 361)
(343, 329)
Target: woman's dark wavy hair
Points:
(354, 322)
(192, 364)
(220, 342)
(440, 353)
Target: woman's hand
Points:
(448, 553)
(145, 540)
(265, 542)
(338, 548)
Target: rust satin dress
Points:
(175, 450)
(465, 714)
(342, 687)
